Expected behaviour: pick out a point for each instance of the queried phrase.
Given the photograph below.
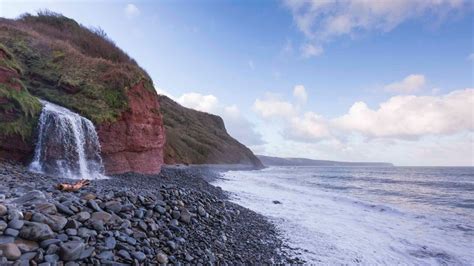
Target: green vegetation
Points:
(63, 62)
(18, 112)
(52, 57)
(198, 138)
(7, 60)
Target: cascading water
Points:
(67, 146)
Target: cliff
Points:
(277, 161)
(52, 57)
(195, 137)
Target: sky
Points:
(351, 80)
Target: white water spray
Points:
(68, 145)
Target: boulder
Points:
(36, 231)
(10, 251)
(71, 250)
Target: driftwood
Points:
(73, 187)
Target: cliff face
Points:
(54, 58)
(195, 137)
(134, 143)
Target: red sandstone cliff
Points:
(134, 143)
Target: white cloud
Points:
(323, 20)
(470, 57)
(308, 127)
(309, 50)
(239, 127)
(272, 107)
(131, 11)
(232, 111)
(409, 84)
(400, 117)
(299, 92)
(197, 101)
(412, 116)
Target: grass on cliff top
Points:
(71, 65)
(92, 42)
(7, 60)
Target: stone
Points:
(185, 216)
(160, 209)
(46, 243)
(71, 250)
(64, 209)
(89, 196)
(55, 222)
(101, 216)
(174, 222)
(28, 256)
(175, 214)
(160, 203)
(276, 202)
(63, 237)
(85, 233)
(188, 258)
(110, 242)
(143, 225)
(46, 208)
(201, 211)
(140, 256)
(93, 205)
(71, 232)
(10, 251)
(168, 233)
(30, 197)
(171, 245)
(105, 255)
(98, 225)
(36, 231)
(53, 258)
(87, 253)
(3, 225)
(6, 239)
(132, 241)
(11, 232)
(162, 258)
(82, 216)
(3, 210)
(52, 249)
(72, 224)
(124, 254)
(113, 206)
(16, 224)
(26, 245)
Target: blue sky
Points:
(343, 80)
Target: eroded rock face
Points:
(134, 143)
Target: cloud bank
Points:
(406, 117)
(323, 20)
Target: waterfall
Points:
(67, 145)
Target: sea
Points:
(364, 215)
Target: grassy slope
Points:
(66, 63)
(196, 137)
